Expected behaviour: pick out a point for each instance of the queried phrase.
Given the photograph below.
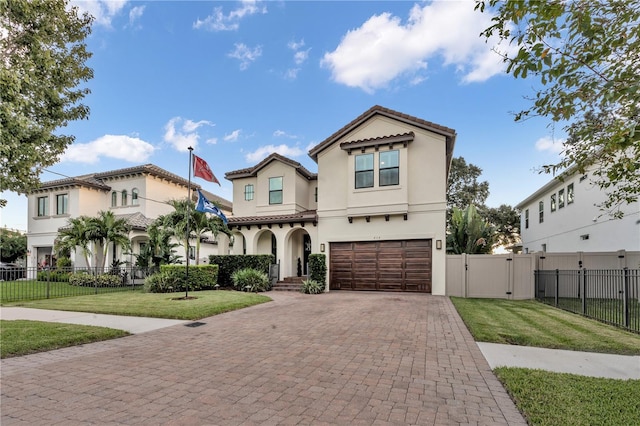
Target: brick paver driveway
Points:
(338, 358)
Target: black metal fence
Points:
(17, 284)
(608, 295)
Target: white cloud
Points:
(283, 134)
(291, 73)
(120, 147)
(245, 54)
(550, 144)
(185, 136)
(218, 21)
(262, 152)
(296, 45)
(102, 10)
(212, 141)
(135, 14)
(301, 56)
(233, 136)
(384, 48)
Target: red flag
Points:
(201, 169)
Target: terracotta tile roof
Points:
(253, 171)
(137, 220)
(380, 140)
(305, 216)
(448, 133)
(99, 181)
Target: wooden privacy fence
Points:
(512, 276)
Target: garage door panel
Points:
(381, 265)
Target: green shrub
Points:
(54, 276)
(201, 277)
(83, 279)
(228, 264)
(318, 268)
(64, 264)
(249, 279)
(312, 287)
(161, 282)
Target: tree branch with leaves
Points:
(586, 56)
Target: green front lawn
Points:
(547, 398)
(25, 337)
(531, 323)
(155, 305)
(12, 291)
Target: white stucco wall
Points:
(579, 226)
(421, 193)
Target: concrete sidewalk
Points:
(562, 361)
(133, 325)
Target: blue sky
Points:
(239, 80)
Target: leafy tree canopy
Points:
(13, 245)
(42, 68)
(586, 55)
(465, 190)
(463, 187)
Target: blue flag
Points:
(206, 206)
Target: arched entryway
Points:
(266, 243)
(298, 245)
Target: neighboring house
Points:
(376, 207)
(563, 216)
(138, 194)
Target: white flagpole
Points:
(188, 214)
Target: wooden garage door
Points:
(381, 265)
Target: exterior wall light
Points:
(322, 247)
(438, 244)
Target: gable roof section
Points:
(449, 134)
(253, 171)
(99, 180)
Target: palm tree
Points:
(199, 224)
(74, 235)
(160, 249)
(106, 229)
(469, 233)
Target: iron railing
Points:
(607, 295)
(17, 284)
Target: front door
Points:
(306, 243)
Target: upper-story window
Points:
(62, 204)
(541, 212)
(561, 198)
(248, 192)
(389, 168)
(570, 193)
(526, 219)
(124, 197)
(114, 199)
(134, 197)
(275, 190)
(364, 171)
(43, 206)
(553, 202)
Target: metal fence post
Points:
(583, 285)
(536, 284)
(557, 286)
(625, 296)
(48, 283)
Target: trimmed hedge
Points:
(230, 263)
(83, 279)
(201, 277)
(54, 276)
(318, 268)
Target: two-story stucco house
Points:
(376, 207)
(564, 216)
(138, 194)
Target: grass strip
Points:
(547, 398)
(23, 337)
(531, 323)
(155, 305)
